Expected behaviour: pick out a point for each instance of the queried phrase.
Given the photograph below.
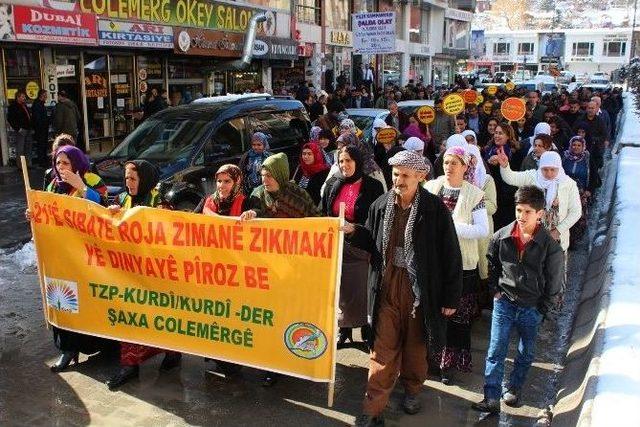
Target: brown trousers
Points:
(400, 346)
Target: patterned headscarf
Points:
(235, 174)
(411, 160)
(570, 155)
(478, 175)
(348, 124)
(314, 134)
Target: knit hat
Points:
(409, 159)
(278, 166)
(414, 144)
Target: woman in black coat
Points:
(357, 191)
(312, 171)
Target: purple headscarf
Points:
(79, 163)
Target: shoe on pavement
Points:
(411, 404)
(365, 420)
(511, 397)
(123, 376)
(491, 406)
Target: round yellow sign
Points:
(426, 114)
(492, 90)
(509, 86)
(479, 99)
(386, 135)
(32, 89)
(453, 104)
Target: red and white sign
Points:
(54, 26)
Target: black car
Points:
(189, 143)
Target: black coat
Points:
(315, 183)
(40, 120)
(18, 118)
(370, 190)
(438, 260)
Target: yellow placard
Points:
(492, 90)
(32, 89)
(479, 99)
(261, 293)
(426, 114)
(453, 104)
(386, 135)
(11, 93)
(510, 86)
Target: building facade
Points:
(581, 51)
(108, 55)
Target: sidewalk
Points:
(14, 228)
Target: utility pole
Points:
(632, 50)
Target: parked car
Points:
(190, 142)
(410, 107)
(364, 117)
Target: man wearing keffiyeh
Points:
(415, 281)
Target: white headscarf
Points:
(377, 123)
(469, 132)
(550, 159)
(413, 144)
(480, 175)
(456, 140)
(541, 128)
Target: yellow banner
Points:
(260, 293)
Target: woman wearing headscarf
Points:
(563, 207)
(357, 191)
(478, 176)
(541, 144)
(251, 162)
(455, 140)
(141, 178)
(470, 136)
(278, 197)
(577, 164)
(465, 202)
(312, 171)
(71, 177)
(227, 200)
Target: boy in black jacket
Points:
(526, 274)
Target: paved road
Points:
(31, 395)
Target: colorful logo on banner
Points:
(453, 104)
(201, 14)
(513, 109)
(134, 34)
(426, 114)
(54, 26)
(260, 293)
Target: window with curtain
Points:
(337, 14)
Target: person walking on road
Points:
(66, 116)
(20, 120)
(41, 128)
(409, 234)
(526, 274)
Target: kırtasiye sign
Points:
(134, 34)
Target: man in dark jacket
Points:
(533, 104)
(359, 101)
(596, 133)
(66, 117)
(19, 118)
(41, 127)
(415, 281)
(526, 274)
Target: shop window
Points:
(360, 6)
(22, 68)
(121, 78)
(150, 75)
(615, 49)
(309, 11)
(501, 48)
(96, 83)
(525, 48)
(415, 25)
(582, 49)
(337, 14)
(286, 128)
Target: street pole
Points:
(632, 52)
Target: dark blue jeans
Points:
(506, 316)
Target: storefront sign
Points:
(374, 32)
(339, 38)
(31, 89)
(68, 70)
(96, 86)
(51, 82)
(186, 13)
(458, 15)
(54, 26)
(277, 48)
(192, 41)
(305, 50)
(134, 34)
